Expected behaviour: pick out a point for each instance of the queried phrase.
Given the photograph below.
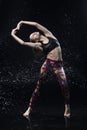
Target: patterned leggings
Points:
(57, 67)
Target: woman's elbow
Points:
(35, 24)
(12, 34)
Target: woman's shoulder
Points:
(52, 38)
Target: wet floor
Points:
(47, 113)
(46, 118)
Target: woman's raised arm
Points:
(37, 25)
(13, 34)
(20, 41)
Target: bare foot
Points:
(67, 111)
(27, 113)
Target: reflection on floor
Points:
(47, 118)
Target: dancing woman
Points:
(47, 43)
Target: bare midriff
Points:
(55, 54)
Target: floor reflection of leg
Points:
(67, 122)
(29, 127)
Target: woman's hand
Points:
(19, 24)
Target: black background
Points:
(67, 19)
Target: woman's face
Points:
(35, 36)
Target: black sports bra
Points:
(53, 43)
